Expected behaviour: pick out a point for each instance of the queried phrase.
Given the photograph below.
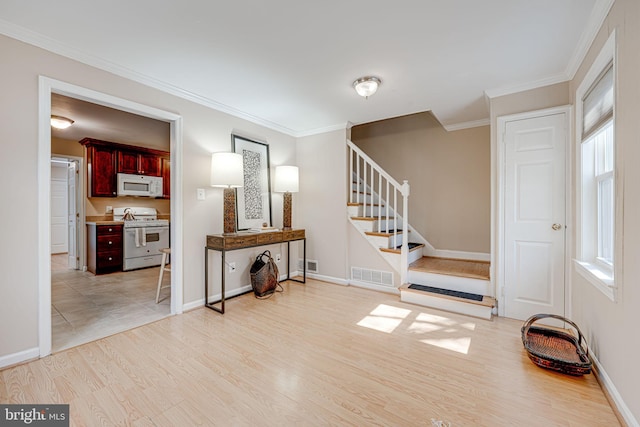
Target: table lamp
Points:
(286, 181)
(227, 172)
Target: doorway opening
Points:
(47, 261)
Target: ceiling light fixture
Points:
(60, 122)
(366, 86)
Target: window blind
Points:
(597, 104)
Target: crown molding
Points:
(508, 90)
(341, 126)
(599, 13)
(36, 39)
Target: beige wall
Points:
(204, 131)
(611, 328)
(449, 175)
(322, 201)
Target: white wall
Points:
(204, 131)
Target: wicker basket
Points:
(554, 349)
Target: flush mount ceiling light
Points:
(366, 86)
(60, 122)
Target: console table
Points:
(242, 240)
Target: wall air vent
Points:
(384, 278)
(312, 265)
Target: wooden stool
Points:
(163, 267)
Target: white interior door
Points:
(534, 215)
(59, 208)
(73, 175)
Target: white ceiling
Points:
(289, 64)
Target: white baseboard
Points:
(19, 357)
(474, 256)
(373, 286)
(329, 279)
(610, 388)
(212, 298)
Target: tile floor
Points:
(86, 307)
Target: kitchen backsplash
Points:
(97, 206)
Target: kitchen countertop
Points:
(104, 222)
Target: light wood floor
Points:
(86, 307)
(317, 354)
(456, 267)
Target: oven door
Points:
(142, 246)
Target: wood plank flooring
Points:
(454, 267)
(317, 354)
(85, 307)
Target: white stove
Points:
(144, 236)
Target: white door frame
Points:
(499, 270)
(47, 86)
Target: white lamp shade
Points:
(286, 179)
(227, 170)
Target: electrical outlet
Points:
(109, 209)
(232, 267)
(278, 257)
(200, 194)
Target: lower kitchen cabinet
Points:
(104, 248)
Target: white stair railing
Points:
(370, 176)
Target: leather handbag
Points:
(264, 276)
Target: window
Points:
(597, 187)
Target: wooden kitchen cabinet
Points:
(104, 248)
(139, 163)
(101, 166)
(106, 159)
(165, 172)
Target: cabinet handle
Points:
(111, 229)
(110, 242)
(110, 258)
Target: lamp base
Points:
(229, 211)
(286, 211)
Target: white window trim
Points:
(599, 276)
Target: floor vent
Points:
(312, 265)
(372, 276)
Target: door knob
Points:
(556, 227)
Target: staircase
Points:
(378, 209)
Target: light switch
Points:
(200, 193)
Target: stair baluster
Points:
(365, 184)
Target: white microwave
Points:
(139, 185)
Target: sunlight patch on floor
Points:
(384, 318)
(432, 329)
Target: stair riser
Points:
(427, 300)
(394, 258)
(364, 198)
(368, 211)
(385, 242)
(452, 283)
(373, 225)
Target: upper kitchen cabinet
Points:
(106, 159)
(139, 163)
(165, 168)
(101, 164)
